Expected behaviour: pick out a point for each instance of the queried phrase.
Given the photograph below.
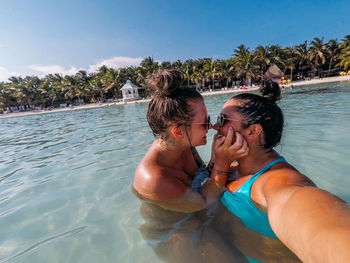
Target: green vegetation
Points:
(319, 59)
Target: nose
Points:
(216, 126)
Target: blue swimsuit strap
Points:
(263, 170)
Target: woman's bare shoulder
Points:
(157, 182)
(285, 173)
(283, 176)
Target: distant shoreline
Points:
(317, 81)
(210, 93)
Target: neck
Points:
(171, 152)
(256, 160)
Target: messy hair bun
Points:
(169, 103)
(270, 90)
(166, 82)
(263, 110)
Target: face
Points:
(231, 118)
(198, 130)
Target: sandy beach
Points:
(318, 81)
(222, 91)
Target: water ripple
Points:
(2, 178)
(76, 168)
(67, 234)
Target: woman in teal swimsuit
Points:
(270, 198)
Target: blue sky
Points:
(38, 37)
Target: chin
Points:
(202, 142)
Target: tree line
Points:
(302, 61)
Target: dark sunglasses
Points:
(206, 124)
(222, 119)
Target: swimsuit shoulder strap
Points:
(248, 184)
(268, 166)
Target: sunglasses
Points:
(222, 119)
(206, 124)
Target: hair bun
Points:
(166, 82)
(270, 90)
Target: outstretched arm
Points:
(311, 222)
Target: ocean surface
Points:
(66, 177)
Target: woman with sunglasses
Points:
(269, 201)
(164, 178)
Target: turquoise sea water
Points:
(65, 178)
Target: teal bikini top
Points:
(241, 205)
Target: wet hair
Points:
(263, 110)
(169, 103)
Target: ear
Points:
(177, 131)
(254, 132)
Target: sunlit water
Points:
(65, 178)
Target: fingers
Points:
(240, 146)
(229, 137)
(239, 141)
(219, 140)
(243, 150)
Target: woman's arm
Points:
(171, 193)
(311, 222)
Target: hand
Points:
(227, 151)
(212, 159)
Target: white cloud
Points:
(116, 63)
(52, 69)
(5, 74)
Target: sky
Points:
(39, 37)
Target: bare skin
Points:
(165, 173)
(312, 223)
(163, 177)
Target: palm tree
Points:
(262, 58)
(200, 71)
(344, 58)
(245, 64)
(344, 55)
(165, 65)
(227, 69)
(82, 81)
(27, 91)
(71, 88)
(96, 87)
(301, 54)
(50, 90)
(149, 65)
(176, 64)
(289, 64)
(211, 70)
(317, 53)
(196, 75)
(7, 95)
(219, 70)
(187, 69)
(275, 54)
(112, 82)
(345, 42)
(332, 49)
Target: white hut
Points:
(130, 91)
